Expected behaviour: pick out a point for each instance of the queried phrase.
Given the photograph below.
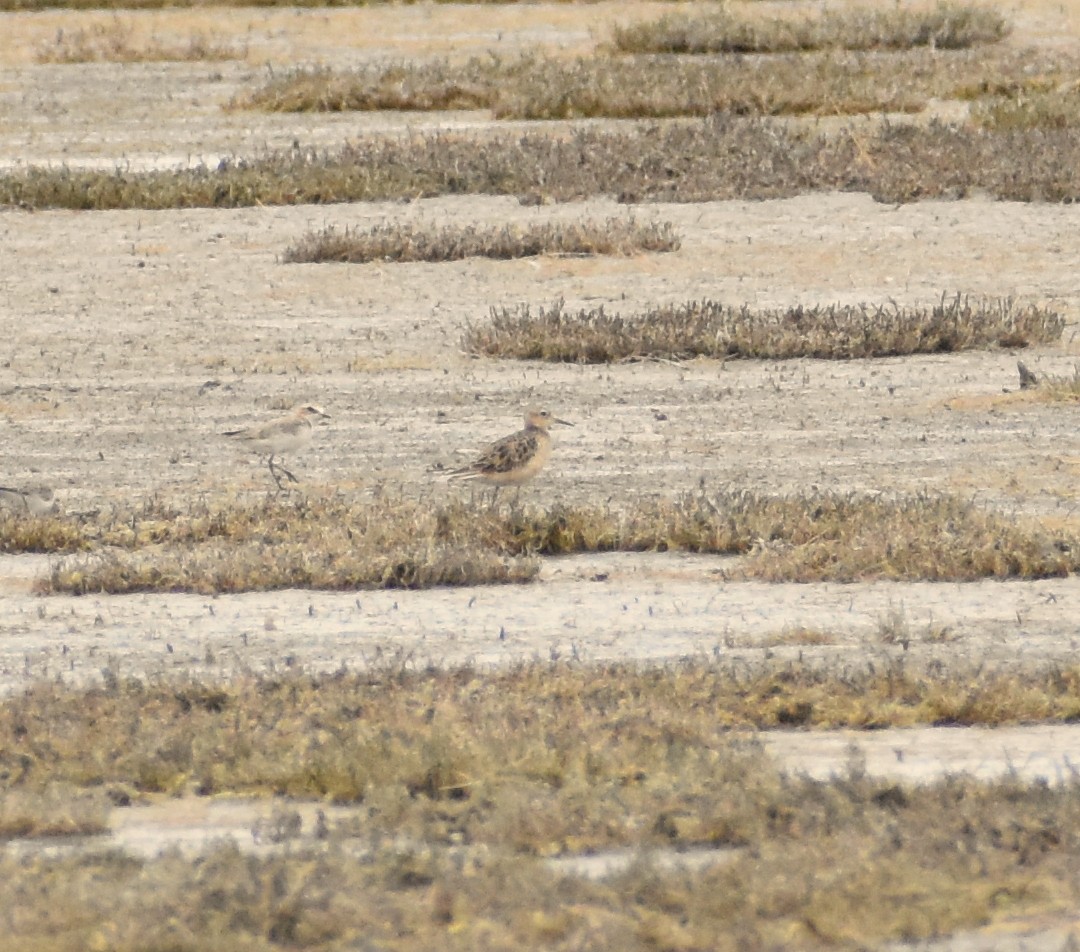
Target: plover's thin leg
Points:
(274, 470)
(273, 473)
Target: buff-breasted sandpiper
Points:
(515, 459)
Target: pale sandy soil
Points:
(595, 608)
(130, 340)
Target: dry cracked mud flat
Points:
(130, 340)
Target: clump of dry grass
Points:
(830, 83)
(954, 857)
(935, 538)
(717, 159)
(481, 772)
(115, 42)
(403, 86)
(589, 162)
(52, 810)
(403, 242)
(1056, 109)
(332, 544)
(21, 532)
(324, 544)
(412, 744)
(250, 566)
(949, 26)
(712, 329)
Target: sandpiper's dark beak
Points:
(563, 422)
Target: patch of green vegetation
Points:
(712, 329)
(717, 159)
(333, 544)
(403, 242)
(115, 43)
(947, 26)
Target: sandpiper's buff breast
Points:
(517, 458)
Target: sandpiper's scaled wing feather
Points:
(508, 454)
(514, 459)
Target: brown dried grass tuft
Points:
(1057, 109)
(449, 736)
(947, 26)
(402, 242)
(933, 538)
(823, 849)
(712, 329)
(51, 810)
(325, 544)
(836, 82)
(333, 544)
(707, 160)
(402, 86)
(21, 532)
(461, 778)
(115, 42)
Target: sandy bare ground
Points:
(130, 340)
(127, 354)
(595, 608)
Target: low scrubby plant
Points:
(453, 782)
(712, 329)
(1054, 109)
(116, 42)
(717, 159)
(396, 543)
(403, 242)
(835, 82)
(946, 26)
